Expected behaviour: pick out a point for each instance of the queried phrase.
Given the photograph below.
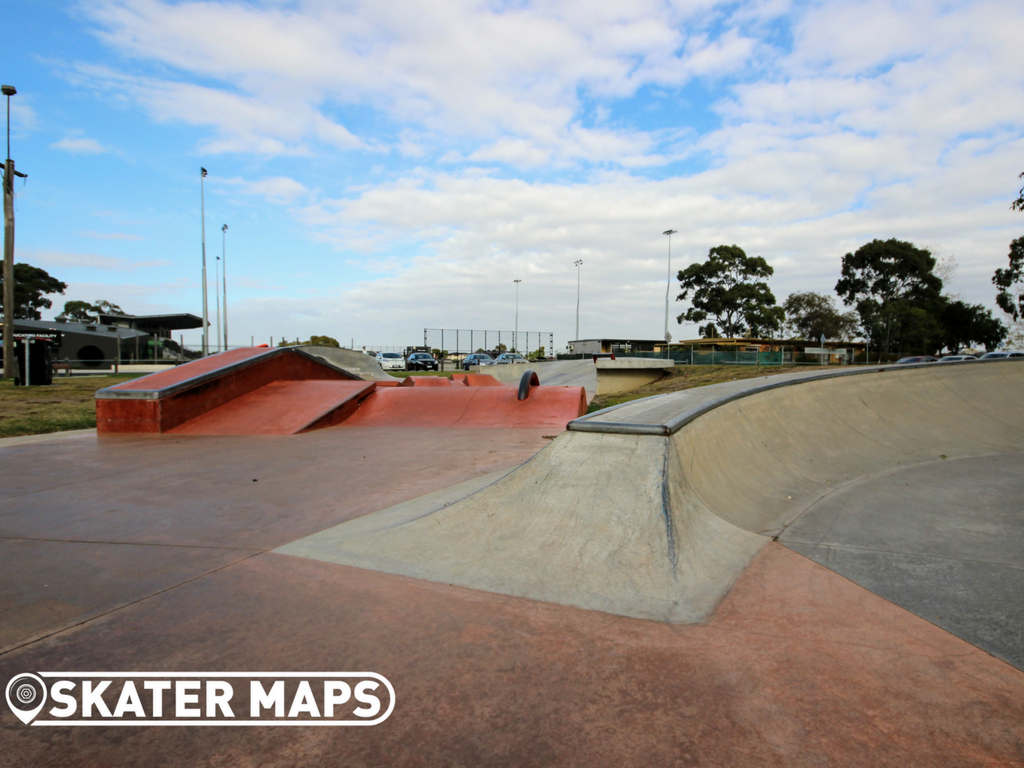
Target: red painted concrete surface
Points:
(172, 410)
(477, 380)
(180, 373)
(281, 408)
(446, 407)
(798, 667)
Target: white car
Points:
(508, 358)
(391, 361)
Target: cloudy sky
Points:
(391, 165)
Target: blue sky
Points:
(388, 166)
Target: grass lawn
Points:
(688, 377)
(68, 403)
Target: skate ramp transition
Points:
(653, 508)
(288, 390)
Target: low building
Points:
(624, 347)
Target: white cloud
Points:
(277, 189)
(51, 259)
(79, 145)
(457, 67)
(110, 236)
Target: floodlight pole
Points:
(224, 274)
(668, 287)
(515, 338)
(578, 263)
(206, 306)
(10, 364)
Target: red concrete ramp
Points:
(462, 406)
(281, 408)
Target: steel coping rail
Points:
(589, 423)
(203, 378)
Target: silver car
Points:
(509, 358)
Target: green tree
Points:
(966, 324)
(1009, 281)
(709, 331)
(79, 312)
(730, 287)
(31, 287)
(323, 341)
(84, 312)
(107, 308)
(811, 315)
(1018, 204)
(886, 279)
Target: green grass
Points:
(687, 377)
(68, 403)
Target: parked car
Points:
(477, 358)
(957, 358)
(420, 361)
(998, 355)
(509, 358)
(917, 359)
(391, 361)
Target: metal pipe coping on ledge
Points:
(528, 379)
(599, 422)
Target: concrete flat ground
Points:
(168, 566)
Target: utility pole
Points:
(10, 364)
(668, 287)
(224, 253)
(515, 338)
(206, 306)
(578, 263)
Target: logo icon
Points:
(26, 695)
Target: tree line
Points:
(892, 287)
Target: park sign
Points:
(52, 337)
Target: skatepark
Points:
(822, 567)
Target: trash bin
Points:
(40, 364)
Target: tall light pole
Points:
(515, 337)
(224, 273)
(578, 263)
(206, 306)
(10, 365)
(216, 299)
(668, 285)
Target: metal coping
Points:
(158, 394)
(673, 425)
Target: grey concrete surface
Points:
(660, 525)
(350, 360)
(945, 540)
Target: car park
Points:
(917, 359)
(1000, 355)
(477, 358)
(391, 361)
(957, 358)
(420, 361)
(510, 358)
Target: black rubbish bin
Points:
(40, 364)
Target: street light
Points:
(668, 285)
(206, 306)
(10, 367)
(515, 337)
(224, 273)
(578, 263)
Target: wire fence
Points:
(459, 341)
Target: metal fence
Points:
(457, 341)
